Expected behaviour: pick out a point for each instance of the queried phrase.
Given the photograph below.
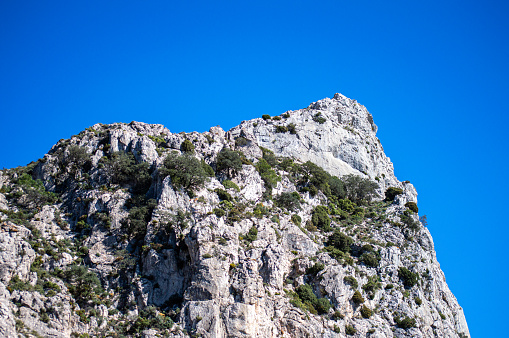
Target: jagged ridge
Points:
(232, 257)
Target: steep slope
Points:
(128, 229)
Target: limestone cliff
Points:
(284, 226)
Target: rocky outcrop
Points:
(115, 240)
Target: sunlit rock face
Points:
(112, 241)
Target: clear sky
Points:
(434, 74)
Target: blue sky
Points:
(433, 74)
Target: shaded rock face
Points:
(113, 241)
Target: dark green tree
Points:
(228, 162)
(320, 218)
(184, 170)
(359, 189)
(340, 241)
(187, 146)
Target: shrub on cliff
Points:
(228, 162)
(320, 218)
(359, 189)
(391, 193)
(409, 278)
(184, 170)
(187, 146)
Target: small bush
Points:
(359, 189)
(340, 241)
(322, 305)
(369, 260)
(184, 170)
(350, 330)
(281, 129)
(405, 323)
(391, 193)
(241, 141)
(412, 206)
(252, 234)
(357, 298)
(223, 195)
(418, 301)
(291, 128)
(230, 185)
(207, 168)
(228, 162)
(409, 278)
(277, 118)
(296, 219)
(288, 200)
(337, 315)
(319, 119)
(320, 218)
(219, 212)
(187, 146)
(315, 269)
(350, 280)
(366, 311)
(266, 117)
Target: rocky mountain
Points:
(284, 226)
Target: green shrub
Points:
(359, 189)
(350, 280)
(139, 216)
(252, 234)
(17, 284)
(357, 298)
(409, 278)
(408, 221)
(150, 318)
(307, 297)
(315, 269)
(318, 118)
(241, 141)
(366, 311)
(82, 284)
(288, 200)
(369, 260)
(291, 128)
(350, 330)
(418, 301)
(223, 195)
(405, 323)
(281, 129)
(207, 169)
(260, 210)
(121, 168)
(340, 241)
(322, 305)
(412, 206)
(268, 175)
(277, 118)
(219, 212)
(346, 205)
(230, 185)
(320, 218)
(296, 219)
(187, 146)
(228, 162)
(266, 117)
(391, 193)
(372, 285)
(33, 194)
(184, 170)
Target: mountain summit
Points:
(284, 226)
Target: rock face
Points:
(301, 229)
